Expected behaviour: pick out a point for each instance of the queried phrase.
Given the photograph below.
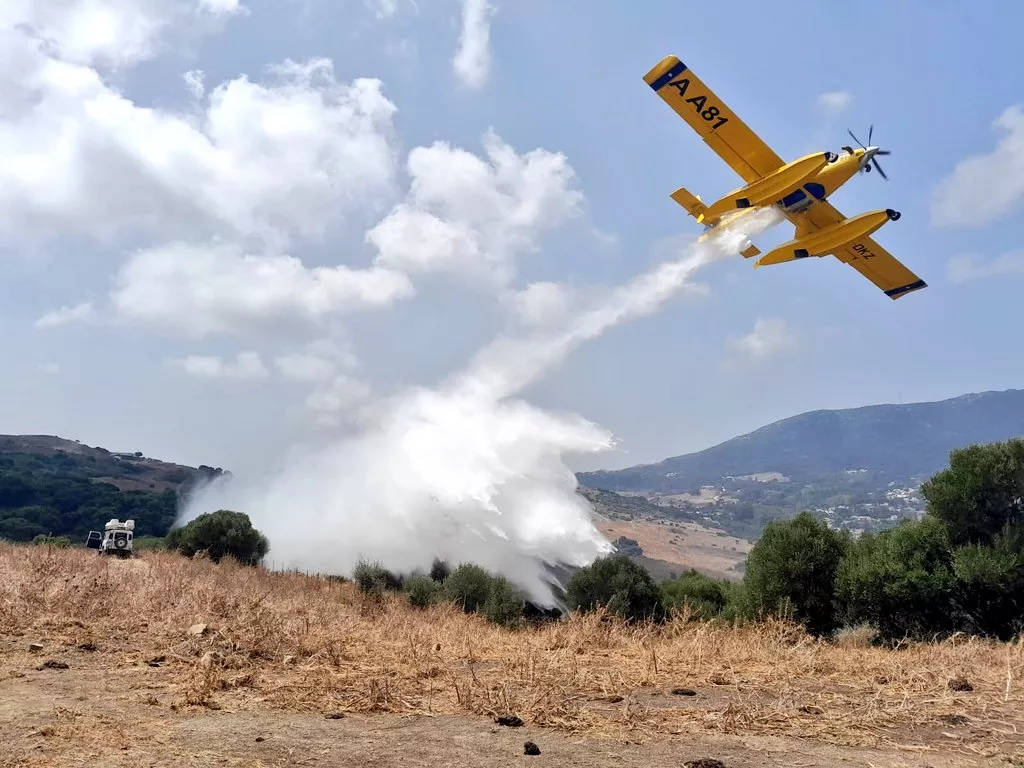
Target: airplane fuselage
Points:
(826, 181)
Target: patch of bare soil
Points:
(90, 715)
(685, 545)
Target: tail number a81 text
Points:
(699, 104)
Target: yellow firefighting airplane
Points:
(800, 188)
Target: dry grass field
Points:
(166, 661)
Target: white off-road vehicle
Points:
(116, 539)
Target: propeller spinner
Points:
(873, 152)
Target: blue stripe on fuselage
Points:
(667, 78)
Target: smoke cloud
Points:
(467, 470)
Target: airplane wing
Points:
(865, 255)
(708, 115)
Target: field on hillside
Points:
(133, 654)
(682, 545)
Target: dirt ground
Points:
(99, 714)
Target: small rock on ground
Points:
(509, 720)
(529, 748)
(960, 684)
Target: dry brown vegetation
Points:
(291, 643)
(681, 544)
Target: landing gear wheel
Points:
(896, 216)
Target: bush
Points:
(219, 534)
(468, 585)
(423, 591)
(990, 587)
(374, 578)
(504, 604)
(901, 581)
(617, 583)
(703, 596)
(792, 569)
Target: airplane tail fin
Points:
(696, 208)
(692, 203)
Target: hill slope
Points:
(867, 461)
(49, 485)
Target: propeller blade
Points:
(878, 168)
(883, 152)
(855, 138)
(871, 130)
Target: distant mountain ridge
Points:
(898, 443)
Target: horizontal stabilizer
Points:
(692, 203)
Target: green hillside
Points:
(49, 485)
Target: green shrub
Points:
(504, 604)
(990, 590)
(617, 583)
(219, 534)
(792, 570)
(901, 581)
(422, 591)
(704, 597)
(374, 578)
(468, 586)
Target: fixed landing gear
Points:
(893, 215)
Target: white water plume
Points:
(465, 471)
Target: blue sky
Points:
(120, 201)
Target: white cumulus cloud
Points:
(985, 187)
(246, 365)
(472, 62)
(112, 33)
(65, 315)
(967, 267)
(473, 216)
(769, 338)
(274, 159)
(834, 103)
(201, 290)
